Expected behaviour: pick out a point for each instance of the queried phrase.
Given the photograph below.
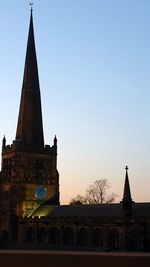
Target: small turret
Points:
(4, 142)
(55, 141)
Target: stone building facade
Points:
(123, 226)
(78, 228)
(30, 213)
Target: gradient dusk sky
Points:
(94, 68)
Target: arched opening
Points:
(30, 235)
(54, 235)
(97, 238)
(42, 235)
(68, 236)
(113, 239)
(134, 240)
(14, 228)
(82, 238)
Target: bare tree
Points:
(96, 193)
(78, 200)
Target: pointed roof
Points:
(127, 200)
(30, 127)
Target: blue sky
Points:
(94, 64)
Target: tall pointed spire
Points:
(30, 127)
(127, 200)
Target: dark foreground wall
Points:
(72, 259)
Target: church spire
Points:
(30, 127)
(127, 200)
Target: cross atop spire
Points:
(126, 168)
(31, 4)
(30, 127)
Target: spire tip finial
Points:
(126, 168)
(31, 4)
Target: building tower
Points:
(29, 173)
(127, 200)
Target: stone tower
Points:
(29, 173)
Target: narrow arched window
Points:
(113, 239)
(54, 235)
(67, 236)
(82, 238)
(30, 235)
(42, 235)
(97, 238)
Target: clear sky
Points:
(94, 68)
